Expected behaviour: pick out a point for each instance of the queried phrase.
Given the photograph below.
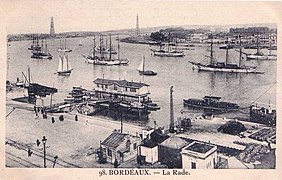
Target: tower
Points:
(137, 26)
(52, 28)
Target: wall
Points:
(150, 153)
(206, 163)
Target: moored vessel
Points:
(211, 103)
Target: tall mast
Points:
(227, 55)
(240, 55)
(258, 45)
(168, 48)
(101, 47)
(118, 50)
(67, 62)
(94, 46)
(212, 59)
(143, 68)
(110, 47)
(28, 72)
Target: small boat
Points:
(80, 43)
(63, 48)
(64, 67)
(260, 55)
(142, 71)
(152, 106)
(212, 103)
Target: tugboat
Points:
(211, 103)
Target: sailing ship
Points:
(64, 67)
(43, 53)
(169, 52)
(35, 44)
(63, 47)
(260, 55)
(102, 58)
(227, 67)
(142, 71)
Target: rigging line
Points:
(264, 93)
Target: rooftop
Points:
(199, 147)
(121, 83)
(114, 140)
(175, 142)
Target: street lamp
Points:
(44, 150)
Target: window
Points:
(115, 87)
(132, 90)
(109, 152)
(193, 165)
(134, 146)
(126, 89)
(106, 86)
(98, 85)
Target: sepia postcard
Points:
(140, 89)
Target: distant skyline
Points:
(34, 16)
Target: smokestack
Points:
(171, 126)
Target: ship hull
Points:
(256, 57)
(217, 107)
(64, 73)
(148, 73)
(201, 67)
(168, 54)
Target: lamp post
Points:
(44, 140)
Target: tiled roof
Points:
(121, 83)
(114, 140)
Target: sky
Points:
(34, 16)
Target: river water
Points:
(242, 89)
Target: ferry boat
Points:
(120, 95)
(214, 66)
(212, 103)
